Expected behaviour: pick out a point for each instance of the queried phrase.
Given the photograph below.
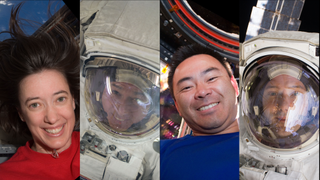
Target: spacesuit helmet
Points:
(280, 100)
(121, 97)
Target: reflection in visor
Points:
(125, 104)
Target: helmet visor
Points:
(122, 97)
(280, 98)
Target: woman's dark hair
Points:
(50, 48)
(184, 52)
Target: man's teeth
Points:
(207, 107)
(54, 131)
(119, 119)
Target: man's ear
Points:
(235, 85)
(177, 107)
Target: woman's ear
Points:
(235, 85)
(21, 117)
(73, 104)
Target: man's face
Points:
(283, 103)
(204, 94)
(125, 105)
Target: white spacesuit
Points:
(119, 90)
(279, 122)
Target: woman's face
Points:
(47, 106)
(125, 105)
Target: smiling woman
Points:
(39, 94)
(46, 105)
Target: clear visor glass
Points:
(121, 99)
(280, 99)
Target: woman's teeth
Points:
(54, 131)
(207, 107)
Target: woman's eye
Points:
(61, 99)
(34, 105)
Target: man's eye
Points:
(186, 88)
(272, 93)
(137, 100)
(114, 92)
(295, 93)
(212, 78)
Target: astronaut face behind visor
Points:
(121, 97)
(281, 101)
(125, 105)
(283, 97)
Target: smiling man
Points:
(205, 94)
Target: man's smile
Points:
(207, 106)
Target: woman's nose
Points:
(52, 115)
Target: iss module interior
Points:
(120, 90)
(279, 81)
